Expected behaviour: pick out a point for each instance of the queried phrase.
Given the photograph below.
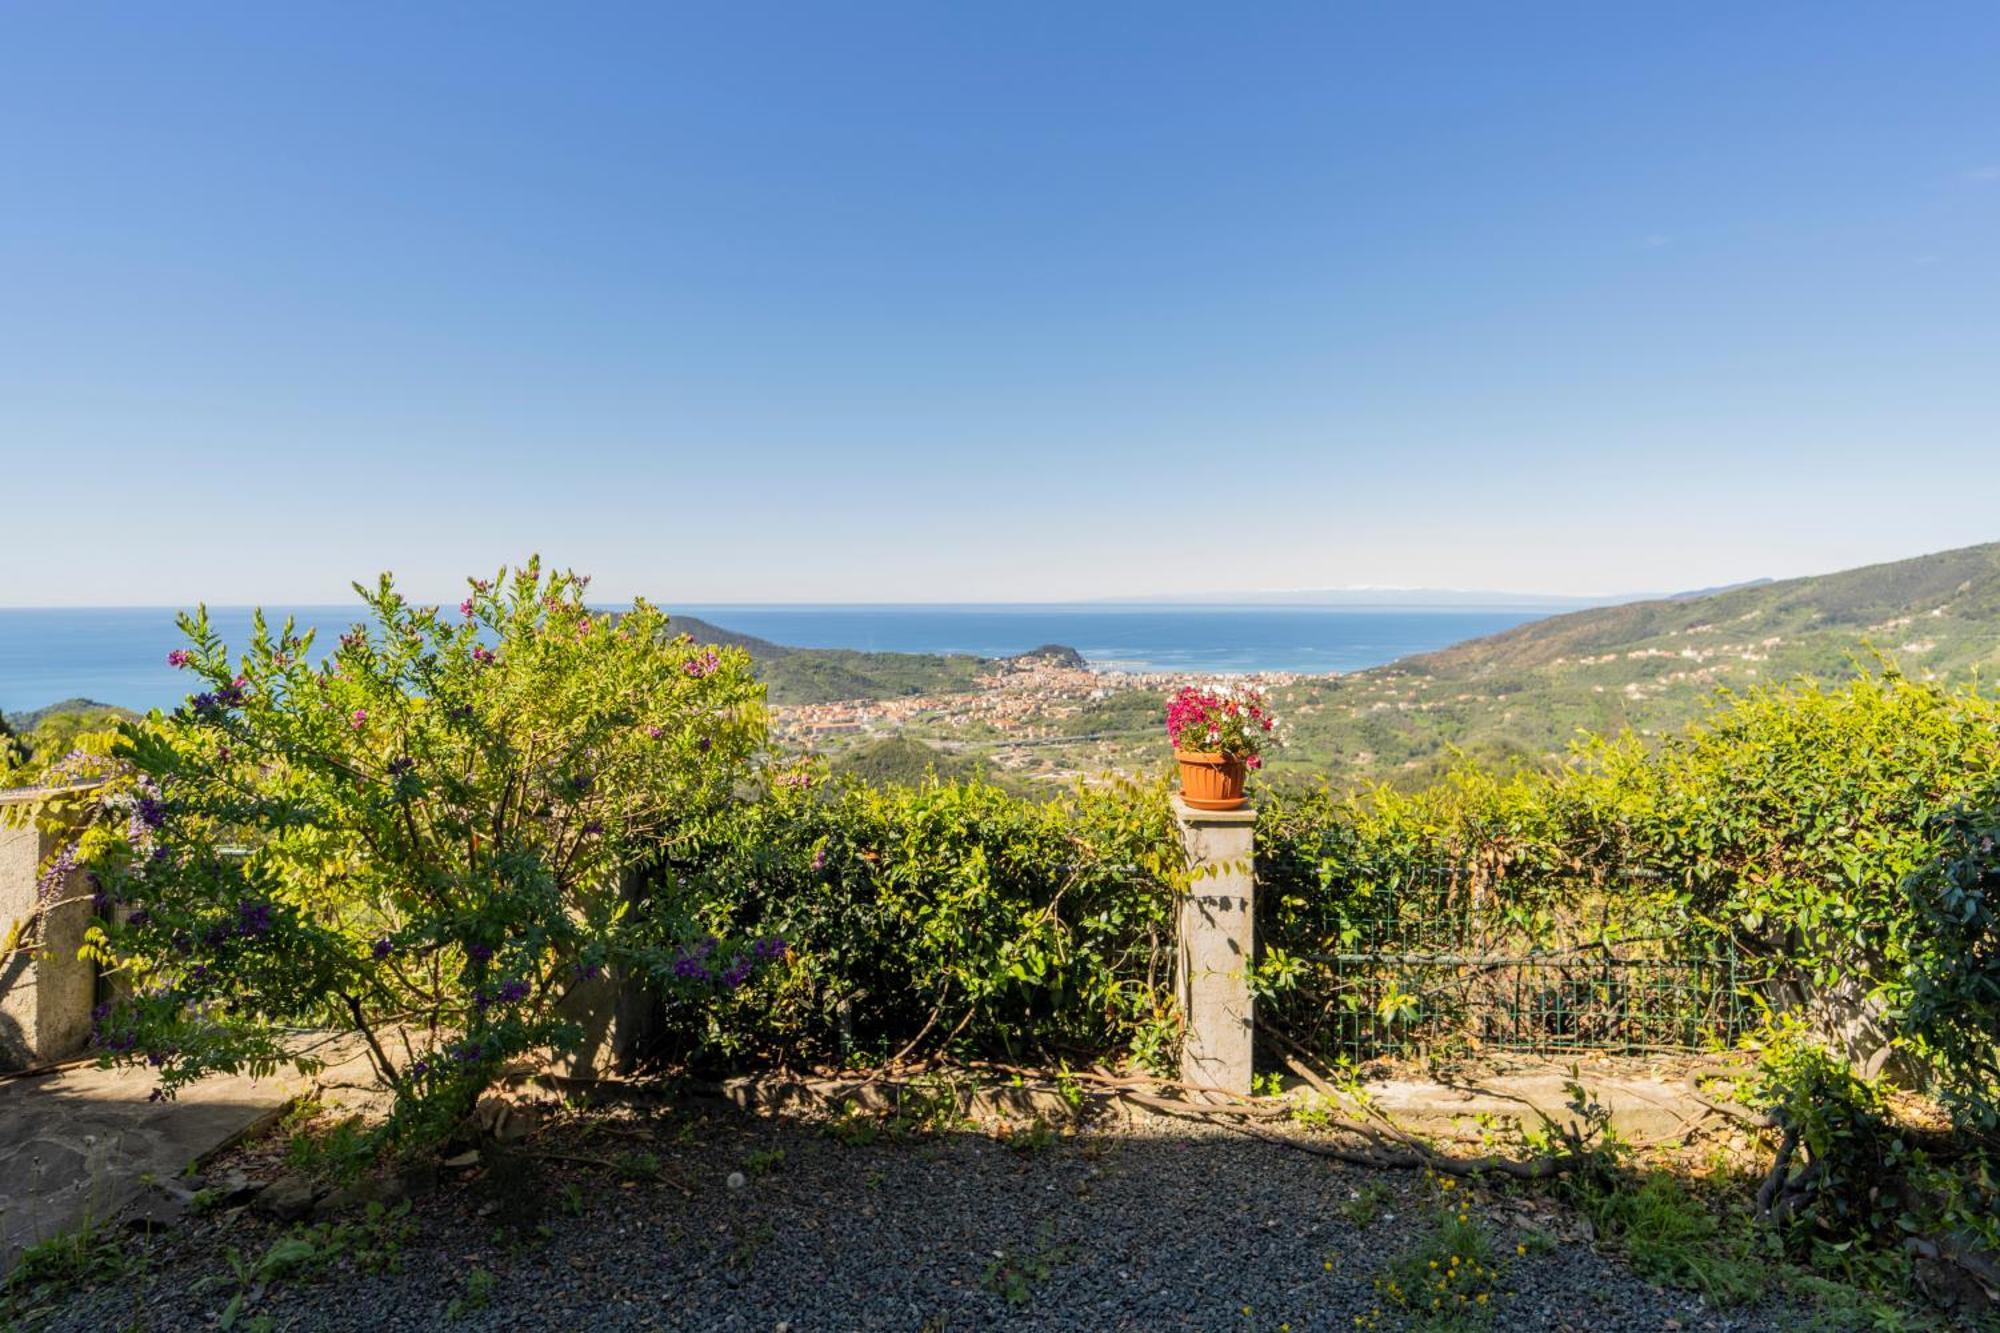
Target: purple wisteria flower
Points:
(49, 884)
(382, 948)
(692, 964)
(253, 918)
(512, 991)
(480, 953)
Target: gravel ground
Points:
(1159, 1225)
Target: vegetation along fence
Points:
(1440, 961)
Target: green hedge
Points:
(941, 912)
(1790, 821)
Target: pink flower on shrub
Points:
(465, 608)
(359, 719)
(705, 665)
(179, 657)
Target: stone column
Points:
(1217, 944)
(45, 993)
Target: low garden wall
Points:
(46, 991)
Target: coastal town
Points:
(1047, 715)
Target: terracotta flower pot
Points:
(1211, 781)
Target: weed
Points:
(854, 1127)
(748, 1245)
(1447, 1280)
(50, 1269)
(372, 1243)
(763, 1161)
(1029, 1138)
(339, 1151)
(924, 1107)
(1669, 1235)
(1366, 1204)
(638, 1166)
(478, 1294)
(1069, 1087)
(1012, 1276)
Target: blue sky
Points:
(935, 302)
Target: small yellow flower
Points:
(1521, 1248)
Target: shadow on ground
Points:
(706, 1217)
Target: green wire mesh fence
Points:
(1441, 960)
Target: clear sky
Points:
(976, 302)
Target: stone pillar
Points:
(617, 1012)
(1218, 928)
(46, 993)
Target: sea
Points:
(117, 655)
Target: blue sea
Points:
(117, 655)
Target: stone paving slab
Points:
(81, 1143)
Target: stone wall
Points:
(46, 993)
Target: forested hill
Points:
(823, 675)
(1650, 665)
(1950, 601)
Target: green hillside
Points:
(824, 675)
(1649, 665)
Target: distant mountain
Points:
(827, 675)
(1434, 599)
(26, 722)
(1650, 665)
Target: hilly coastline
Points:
(1650, 666)
(1523, 695)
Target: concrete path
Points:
(80, 1144)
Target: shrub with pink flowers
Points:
(421, 839)
(1232, 722)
